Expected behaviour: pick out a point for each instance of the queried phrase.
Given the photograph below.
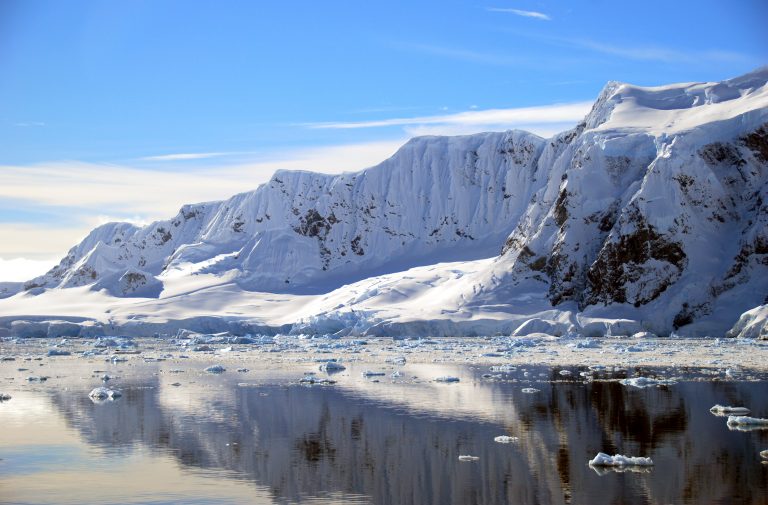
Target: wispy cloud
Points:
(184, 156)
(478, 120)
(519, 12)
(652, 53)
(30, 124)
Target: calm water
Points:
(257, 437)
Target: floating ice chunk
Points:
(764, 454)
(216, 369)
(369, 373)
(103, 393)
(603, 459)
(333, 366)
(58, 352)
(585, 344)
(530, 390)
(747, 421)
(504, 439)
(242, 370)
(176, 384)
(646, 382)
(644, 334)
(565, 373)
(446, 378)
(116, 359)
(4, 397)
(7, 358)
(399, 360)
(311, 379)
(467, 457)
(35, 378)
(106, 378)
(202, 348)
(396, 374)
(503, 369)
(723, 410)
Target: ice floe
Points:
(216, 369)
(603, 459)
(723, 410)
(747, 421)
(530, 390)
(333, 366)
(646, 382)
(467, 457)
(102, 393)
(504, 439)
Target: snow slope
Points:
(651, 214)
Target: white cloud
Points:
(534, 118)
(23, 269)
(183, 156)
(466, 54)
(518, 12)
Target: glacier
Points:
(650, 215)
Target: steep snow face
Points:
(436, 199)
(656, 208)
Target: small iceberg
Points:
(332, 366)
(530, 391)
(603, 459)
(102, 394)
(467, 457)
(723, 410)
(646, 382)
(504, 439)
(312, 380)
(58, 352)
(747, 421)
(447, 378)
(216, 369)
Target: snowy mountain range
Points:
(650, 215)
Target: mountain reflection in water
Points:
(396, 443)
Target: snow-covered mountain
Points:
(436, 199)
(651, 214)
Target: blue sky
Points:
(100, 100)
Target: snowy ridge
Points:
(651, 215)
(437, 198)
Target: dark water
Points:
(258, 438)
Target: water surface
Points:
(259, 437)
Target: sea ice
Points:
(333, 366)
(103, 393)
(646, 382)
(747, 421)
(726, 410)
(58, 352)
(603, 459)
